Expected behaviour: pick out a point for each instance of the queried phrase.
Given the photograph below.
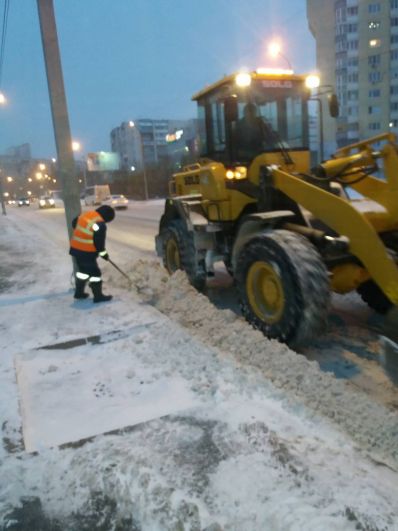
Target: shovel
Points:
(121, 271)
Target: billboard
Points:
(103, 161)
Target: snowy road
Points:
(351, 349)
(234, 432)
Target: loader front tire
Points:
(283, 287)
(374, 297)
(178, 252)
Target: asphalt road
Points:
(351, 349)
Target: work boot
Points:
(97, 292)
(79, 289)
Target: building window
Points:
(394, 90)
(374, 7)
(393, 123)
(353, 11)
(394, 55)
(394, 21)
(353, 127)
(394, 4)
(374, 126)
(394, 106)
(352, 62)
(374, 93)
(394, 39)
(352, 78)
(374, 24)
(374, 43)
(374, 109)
(374, 77)
(352, 28)
(352, 45)
(374, 60)
(352, 95)
(353, 111)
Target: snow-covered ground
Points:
(173, 414)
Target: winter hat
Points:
(106, 212)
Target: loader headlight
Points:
(51, 201)
(42, 202)
(240, 172)
(230, 174)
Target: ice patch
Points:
(66, 398)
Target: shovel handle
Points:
(120, 271)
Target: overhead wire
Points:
(3, 37)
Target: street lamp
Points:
(9, 179)
(275, 50)
(76, 145)
(3, 99)
(132, 124)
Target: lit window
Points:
(374, 43)
(374, 24)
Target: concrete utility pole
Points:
(59, 111)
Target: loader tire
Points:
(374, 297)
(283, 287)
(178, 252)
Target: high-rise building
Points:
(357, 54)
(148, 142)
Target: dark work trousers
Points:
(88, 267)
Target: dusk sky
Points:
(128, 59)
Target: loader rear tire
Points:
(178, 252)
(374, 297)
(283, 287)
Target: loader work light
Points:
(243, 79)
(312, 81)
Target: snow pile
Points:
(371, 426)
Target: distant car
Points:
(116, 201)
(23, 201)
(11, 202)
(46, 201)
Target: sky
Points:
(129, 59)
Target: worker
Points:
(253, 134)
(249, 133)
(87, 242)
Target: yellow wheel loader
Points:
(289, 234)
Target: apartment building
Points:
(357, 54)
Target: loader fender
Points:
(255, 224)
(187, 209)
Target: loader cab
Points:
(244, 115)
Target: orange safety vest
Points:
(83, 234)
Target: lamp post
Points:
(76, 147)
(132, 125)
(275, 50)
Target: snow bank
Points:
(371, 426)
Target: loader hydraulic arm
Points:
(350, 168)
(342, 217)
